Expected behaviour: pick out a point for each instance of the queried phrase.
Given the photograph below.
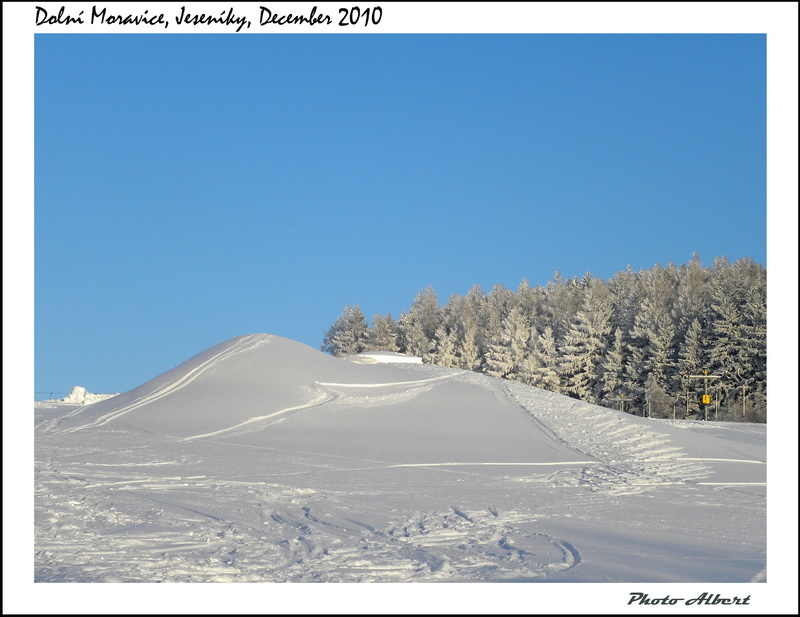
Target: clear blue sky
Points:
(192, 188)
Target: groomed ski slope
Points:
(262, 459)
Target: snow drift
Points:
(262, 459)
(376, 357)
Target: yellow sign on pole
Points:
(706, 399)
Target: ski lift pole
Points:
(687, 397)
(621, 399)
(744, 398)
(706, 397)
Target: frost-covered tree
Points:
(417, 327)
(425, 310)
(652, 348)
(530, 301)
(469, 319)
(692, 354)
(585, 345)
(653, 335)
(468, 346)
(543, 361)
(348, 335)
(612, 371)
(383, 334)
(626, 297)
(637, 335)
(663, 352)
(563, 297)
(499, 302)
(692, 358)
(729, 342)
(692, 297)
(444, 353)
(413, 340)
(658, 404)
(754, 312)
(507, 350)
(738, 347)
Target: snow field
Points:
(263, 460)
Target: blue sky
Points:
(192, 188)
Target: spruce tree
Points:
(692, 358)
(383, 334)
(543, 363)
(444, 353)
(413, 340)
(508, 349)
(585, 345)
(417, 327)
(468, 345)
(348, 335)
(612, 374)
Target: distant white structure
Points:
(383, 357)
(81, 396)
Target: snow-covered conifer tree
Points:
(348, 335)
(507, 351)
(728, 342)
(468, 346)
(626, 298)
(413, 340)
(692, 298)
(383, 334)
(658, 403)
(499, 302)
(665, 322)
(612, 372)
(652, 338)
(692, 358)
(754, 311)
(585, 346)
(444, 353)
(738, 348)
(417, 327)
(543, 361)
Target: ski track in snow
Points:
(390, 384)
(257, 423)
(242, 344)
(107, 530)
(332, 392)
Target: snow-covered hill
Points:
(262, 459)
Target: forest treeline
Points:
(640, 339)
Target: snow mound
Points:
(81, 396)
(381, 357)
(238, 386)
